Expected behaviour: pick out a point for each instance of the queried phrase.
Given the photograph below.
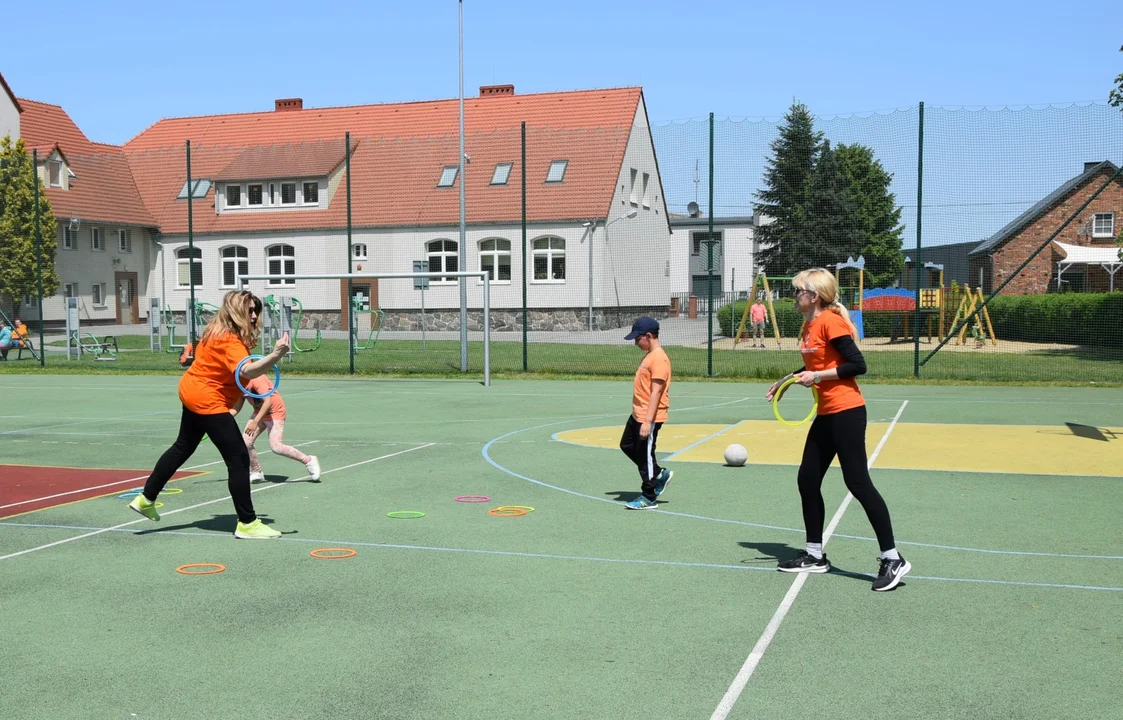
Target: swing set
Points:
(761, 282)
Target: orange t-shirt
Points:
(208, 388)
(262, 385)
(819, 355)
(655, 366)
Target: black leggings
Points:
(224, 432)
(842, 434)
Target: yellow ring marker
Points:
(515, 507)
(171, 491)
(784, 385)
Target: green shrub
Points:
(788, 318)
(1094, 319)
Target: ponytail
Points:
(840, 309)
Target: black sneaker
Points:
(890, 574)
(805, 563)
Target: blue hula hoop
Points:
(247, 393)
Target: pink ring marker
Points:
(472, 498)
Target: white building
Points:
(9, 111)
(734, 252)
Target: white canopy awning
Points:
(1081, 255)
(1106, 257)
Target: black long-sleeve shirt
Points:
(853, 363)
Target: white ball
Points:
(736, 455)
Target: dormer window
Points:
(54, 173)
(254, 194)
(233, 195)
(288, 193)
(311, 193)
(258, 195)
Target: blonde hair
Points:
(824, 284)
(234, 317)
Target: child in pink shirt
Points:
(269, 416)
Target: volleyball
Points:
(736, 455)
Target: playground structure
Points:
(902, 303)
(761, 281)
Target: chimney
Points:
(489, 90)
(1089, 165)
(288, 104)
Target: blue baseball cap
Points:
(642, 326)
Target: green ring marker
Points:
(405, 514)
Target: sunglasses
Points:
(797, 290)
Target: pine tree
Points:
(18, 256)
(782, 199)
(877, 213)
(833, 229)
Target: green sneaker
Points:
(145, 507)
(255, 530)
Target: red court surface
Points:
(26, 488)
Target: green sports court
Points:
(576, 608)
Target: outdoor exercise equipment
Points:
(359, 305)
(101, 349)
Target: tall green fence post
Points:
(352, 331)
(39, 256)
(522, 171)
(710, 264)
(918, 261)
(190, 251)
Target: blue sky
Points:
(117, 67)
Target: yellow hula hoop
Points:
(784, 385)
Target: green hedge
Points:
(1093, 319)
(789, 319)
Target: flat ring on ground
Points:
(506, 512)
(516, 507)
(186, 569)
(472, 498)
(171, 491)
(129, 495)
(158, 504)
(330, 553)
(405, 514)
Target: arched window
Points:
(235, 262)
(549, 259)
(189, 267)
(443, 258)
(281, 260)
(495, 259)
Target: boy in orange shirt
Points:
(269, 417)
(650, 402)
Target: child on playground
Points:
(208, 393)
(831, 361)
(269, 417)
(6, 342)
(650, 403)
(757, 315)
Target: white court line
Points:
(199, 505)
(754, 658)
(85, 422)
(122, 482)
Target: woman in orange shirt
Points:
(208, 393)
(831, 361)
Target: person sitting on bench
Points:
(6, 342)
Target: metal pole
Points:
(710, 263)
(919, 260)
(487, 330)
(463, 232)
(39, 255)
(422, 319)
(523, 173)
(592, 231)
(352, 332)
(190, 251)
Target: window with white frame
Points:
(235, 262)
(1103, 225)
(281, 260)
(189, 267)
(69, 238)
(448, 176)
(233, 196)
(70, 290)
(359, 251)
(125, 240)
(495, 259)
(288, 193)
(557, 171)
(98, 295)
(646, 199)
(311, 193)
(54, 173)
(95, 239)
(254, 194)
(442, 257)
(632, 188)
(549, 259)
(502, 173)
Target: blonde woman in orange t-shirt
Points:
(209, 394)
(831, 361)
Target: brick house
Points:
(993, 260)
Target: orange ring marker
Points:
(319, 553)
(184, 569)
(506, 512)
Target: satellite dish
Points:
(693, 209)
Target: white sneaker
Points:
(313, 467)
(257, 477)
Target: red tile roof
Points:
(42, 126)
(400, 151)
(298, 160)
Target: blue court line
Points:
(724, 430)
(550, 556)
